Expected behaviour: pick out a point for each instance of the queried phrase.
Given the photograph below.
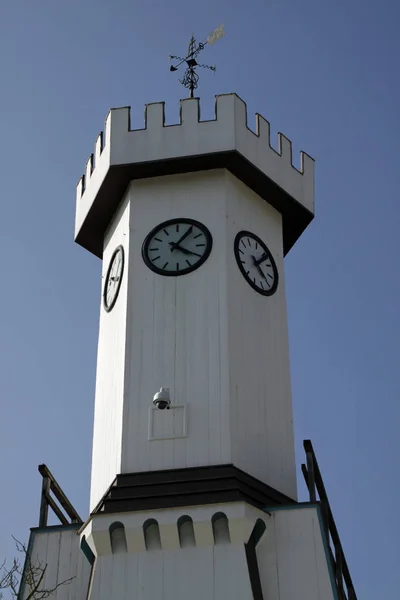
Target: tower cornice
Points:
(122, 155)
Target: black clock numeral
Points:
(165, 231)
(196, 236)
(156, 258)
(261, 283)
(158, 239)
(189, 263)
(154, 249)
(243, 243)
(164, 266)
(241, 251)
(177, 228)
(269, 275)
(198, 245)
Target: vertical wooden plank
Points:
(96, 582)
(132, 584)
(301, 561)
(267, 560)
(44, 506)
(106, 577)
(170, 574)
(38, 554)
(194, 574)
(119, 566)
(52, 560)
(109, 396)
(84, 579)
(67, 564)
(231, 576)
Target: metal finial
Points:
(190, 77)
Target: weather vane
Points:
(190, 77)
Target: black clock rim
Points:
(238, 237)
(202, 260)
(119, 248)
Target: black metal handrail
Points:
(315, 485)
(49, 485)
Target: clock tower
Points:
(193, 485)
(192, 222)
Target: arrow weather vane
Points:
(190, 78)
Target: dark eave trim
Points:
(188, 487)
(91, 234)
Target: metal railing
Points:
(316, 488)
(66, 516)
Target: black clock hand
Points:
(184, 236)
(257, 265)
(257, 262)
(184, 250)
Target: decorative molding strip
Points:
(168, 424)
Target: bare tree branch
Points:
(32, 574)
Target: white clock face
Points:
(256, 263)
(113, 278)
(177, 247)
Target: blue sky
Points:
(326, 75)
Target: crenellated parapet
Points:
(121, 155)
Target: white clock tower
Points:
(193, 488)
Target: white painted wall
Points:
(205, 570)
(291, 557)
(261, 417)
(220, 347)
(176, 329)
(217, 573)
(108, 412)
(60, 551)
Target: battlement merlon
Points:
(122, 154)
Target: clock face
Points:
(256, 263)
(113, 278)
(177, 247)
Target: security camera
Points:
(162, 399)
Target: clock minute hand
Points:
(184, 236)
(257, 265)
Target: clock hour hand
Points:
(256, 263)
(175, 245)
(260, 260)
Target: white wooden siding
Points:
(60, 551)
(220, 347)
(177, 330)
(107, 432)
(259, 375)
(291, 557)
(214, 573)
